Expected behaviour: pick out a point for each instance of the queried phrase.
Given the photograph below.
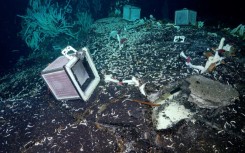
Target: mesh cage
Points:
(72, 76)
(60, 85)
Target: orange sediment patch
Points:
(144, 102)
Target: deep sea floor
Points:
(32, 120)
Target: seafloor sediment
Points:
(110, 121)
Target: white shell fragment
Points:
(170, 115)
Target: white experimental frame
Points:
(90, 89)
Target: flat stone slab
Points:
(207, 93)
